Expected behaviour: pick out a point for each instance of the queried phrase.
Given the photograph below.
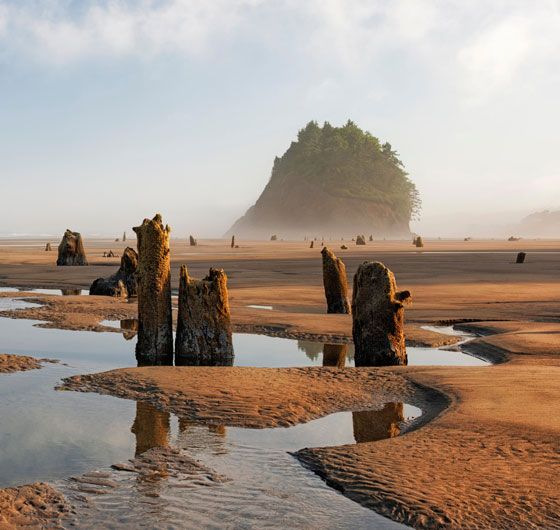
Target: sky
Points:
(112, 110)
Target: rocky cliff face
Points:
(333, 182)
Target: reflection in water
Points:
(130, 325)
(143, 360)
(151, 428)
(70, 292)
(311, 348)
(372, 425)
(199, 360)
(335, 355)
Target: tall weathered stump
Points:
(378, 317)
(71, 250)
(335, 283)
(203, 323)
(153, 276)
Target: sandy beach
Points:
(486, 453)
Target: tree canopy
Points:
(349, 162)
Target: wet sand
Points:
(10, 363)
(490, 460)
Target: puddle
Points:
(273, 352)
(54, 292)
(49, 436)
(267, 307)
(9, 304)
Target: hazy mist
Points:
(111, 112)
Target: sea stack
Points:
(232, 241)
(378, 317)
(124, 237)
(360, 240)
(48, 247)
(335, 283)
(192, 241)
(153, 276)
(419, 242)
(71, 250)
(123, 282)
(203, 323)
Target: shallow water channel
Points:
(47, 435)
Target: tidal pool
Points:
(47, 435)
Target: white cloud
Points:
(493, 58)
(117, 28)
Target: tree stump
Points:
(153, 276)
(71, 250)
(123, 282)
(203, 323)
(378, 317)
(335, 283)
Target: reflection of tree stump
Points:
(71, 250)
(372, 425)
(151, 428)
(155, 325)
(203, 323)
(334, 355)
(335, 283)
(521, 257)
(378, 317)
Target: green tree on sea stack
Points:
(336, 178)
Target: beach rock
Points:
(153, 276)
(48, 247)
(335, 283)
(273, 237)
(513, 238)
(123, 282)
(232, 241)
(360, 240)
(192, 241)
(521, 257)
(378, 317)
(344, 247)
(335, 355)
(419, 242)
(203, 322)
(71, 250)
